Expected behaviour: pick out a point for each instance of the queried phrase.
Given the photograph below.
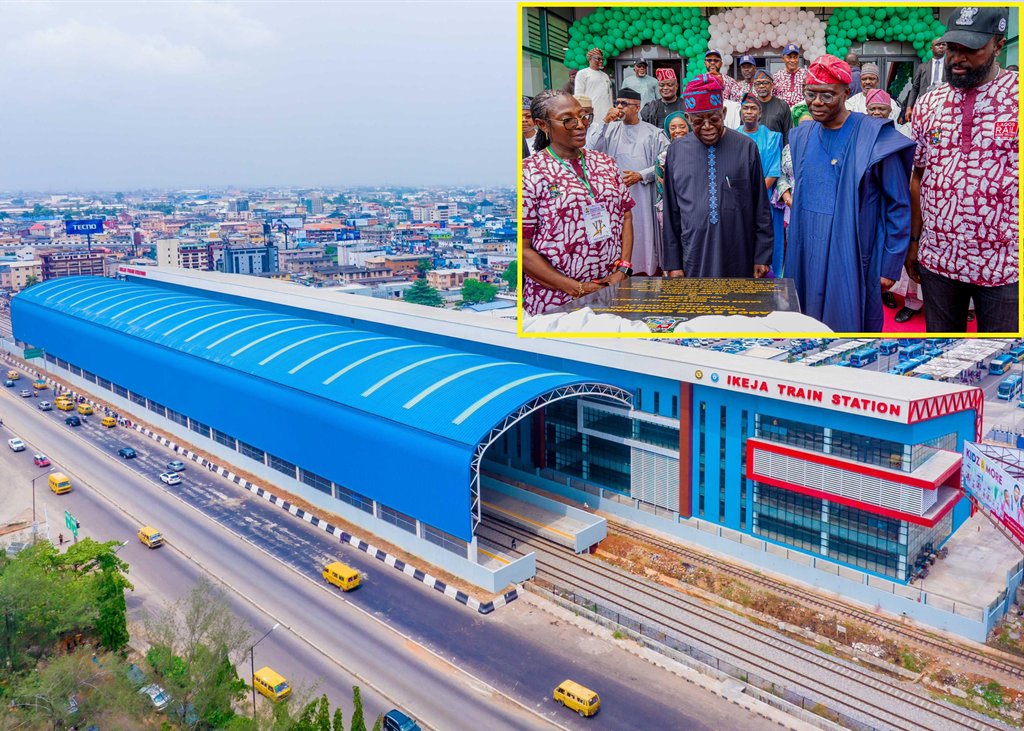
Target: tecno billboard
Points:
(991, 485)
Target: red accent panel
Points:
(539, 445)
(885, 512)
(685, 449)
(974, 398)
(861, 469)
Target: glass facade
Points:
(545, 39)
(744, 481)
(700, 456)
(856, 447)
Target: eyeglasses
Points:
(710, 119)
(623, 103)
(574, 122)
(826, 96)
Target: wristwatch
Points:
(621, 265)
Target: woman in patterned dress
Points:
(577, 224)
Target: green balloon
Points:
(880, 14)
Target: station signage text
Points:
(814, 395)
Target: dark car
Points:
(73, 420)
(127, 453)
(9, 383)
(395, 720)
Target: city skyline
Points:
(227, 95)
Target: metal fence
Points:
(651, 635)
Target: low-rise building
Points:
(72, 264)
(16, 275)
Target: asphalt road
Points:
(448, 667)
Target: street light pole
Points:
(35, 526)
(252, 665)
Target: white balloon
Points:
(726, 61)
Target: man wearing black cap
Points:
(789, 82)
(635, 146)
(964, 232)
(745, 84)
(642, 83)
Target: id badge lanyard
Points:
(596, 218)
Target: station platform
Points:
(552, 519)
(976, 569)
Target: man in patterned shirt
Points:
(713, 65)
(789, 82)
(964, 188)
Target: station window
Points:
(721, 472)
(657, 402)
(177, 418)
(282, 465)
(120, 390)
(639, 405)
(315, 481)
(199, 427)
(675, 407)
(353, 498)
(74, 369)
(157, 408)
(223, 438)
(445, 540)
(91, 377)
(700, 452)
(62, 363)
(249, 451)
(397, 518)
(104, 383)
(138, 398)
(50, 359)
(744, 482)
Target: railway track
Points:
(809, 598)
(873, 699)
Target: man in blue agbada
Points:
(850, 223)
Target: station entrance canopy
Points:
(403, 422)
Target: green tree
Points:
(112, 622)
(316, 716)
(511, 275)
(474, 291)
(424, 265)
(358, 723)
(378, 725)
(197, 643)
(31, 280)
(421, 293)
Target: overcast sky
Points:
(122, 95)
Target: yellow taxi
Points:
(150, 536)
(342, 576)
(64, 404)
(60, 483)
(109, 421)
(85, 409)
(577, 698)
(271, 684)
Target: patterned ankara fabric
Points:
(967, 145)
(789, 87)
(553, 201)
(738, 89)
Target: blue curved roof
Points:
(445, 392)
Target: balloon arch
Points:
(739, 30)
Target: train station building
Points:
(399, 418)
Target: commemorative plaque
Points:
(664, 302)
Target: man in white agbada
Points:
(594, 83)
(869, 79)
(640, 81)
(635, 146)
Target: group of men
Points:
(872, 202)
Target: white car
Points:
(16, 445)
(45, 406)
(170, 478)
(157, 695)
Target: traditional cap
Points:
(870, 68)
(790, 48)
(584, 101)
(703, 94)
(628, 94)
(747, 59)
(761, 73)
(665, 74)
(877, 96)
(594, 50)
(713, 52)
(526, 102)
(752, 98)
(974, 27)
(828, 69)
(640, 62)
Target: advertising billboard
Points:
(84, 226)
(990, 484)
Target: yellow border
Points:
(761, 334)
